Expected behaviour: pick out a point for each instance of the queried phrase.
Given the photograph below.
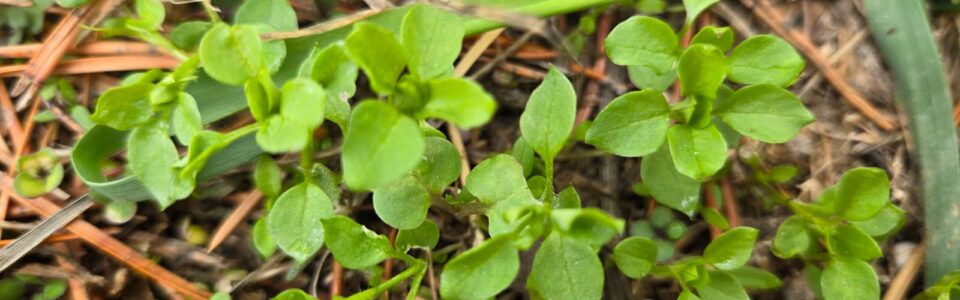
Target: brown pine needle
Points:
(249, 201)
(101, 64)
(900, 285)
(99, 48)
(17, 3)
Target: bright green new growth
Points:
(38, 173)
(849, 219)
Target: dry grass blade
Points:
(230, 223)
(112, 247)
(100, 65)
(29, 240)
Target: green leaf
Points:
(262, 241)
(338, 75)
(276, 13)
(496, 179)
(764, 112)
(432, 38)
(635, 256)
(365, 45)
(424, 236)
(280, 134)
(643, 41)
(53, 289)
(753, 278)
(849, 241)
(482, 272)
(660, 217)
(713, 217)
(461, 101)
(792, 238)
(260, 98)
(124, 107)
(720, 37)
(267, 176)
(303, 102)
(862, 193)
(568, 198)
(697, 152)
(701, 70)
(695, 7)
(295, 220)
(187, 35)
(633, 125)
(687, 295)
(151, 156)
(525, 155)
(353, 245)
(765, 59)
(884, 223)
(380, 146)
(849, 279)
(231, 54)
(564, 268)
(722, 286)
(667, 185)
(292, 294)
(548, 118)
(151, 13)
(731, 249)
(646, 78)
(119, 211)
(591, 226)
(402, 204)
(439, 166)
(38, 173)
(186, 119)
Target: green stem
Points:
(390, 283)
(306, 155)
(211, 12)
(902, 31)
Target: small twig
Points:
(230, 223)
(322, 27)
(599, 66)
(336, 286)
(712, 203)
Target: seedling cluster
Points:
(392, 149)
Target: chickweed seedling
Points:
(684, 143)
(390, 150)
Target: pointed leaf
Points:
(633, 125)
(380, 146)
(547, 121)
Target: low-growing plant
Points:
(391, 149)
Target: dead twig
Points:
(901, 282)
